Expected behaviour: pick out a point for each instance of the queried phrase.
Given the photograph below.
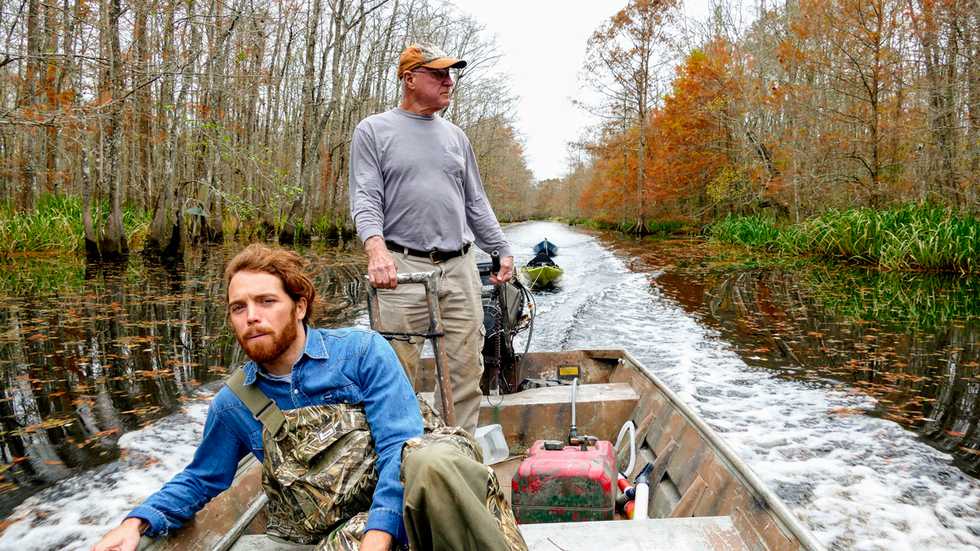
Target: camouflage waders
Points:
(319, 474)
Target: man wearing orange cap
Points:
(419, 205)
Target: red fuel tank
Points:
(565, 483)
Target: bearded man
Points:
(380, 471)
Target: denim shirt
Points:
(351, 366)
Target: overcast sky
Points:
(543, 45)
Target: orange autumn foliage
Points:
(689, 141)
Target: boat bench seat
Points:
(667, 534)
(546, 413)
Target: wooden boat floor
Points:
(668, 534)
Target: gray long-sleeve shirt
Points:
(414, 181)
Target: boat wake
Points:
(858, 482)
(75, 512)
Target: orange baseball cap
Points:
(426, 55)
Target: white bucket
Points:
(491, 439)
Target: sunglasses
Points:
(439, 74)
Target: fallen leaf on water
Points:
(48, 424)
(846, 411)
(898, 418)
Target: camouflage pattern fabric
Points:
(500, 509)
(346, 537)
(431, 420)
(319, 473)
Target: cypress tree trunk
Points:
(165, 237)
(113, 245)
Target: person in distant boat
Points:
(419, 205)
(351, 459)
(541, 259)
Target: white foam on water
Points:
(74, 513)
(856, 481)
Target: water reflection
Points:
(90, 352)
(910, 340)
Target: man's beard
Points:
(264, 351)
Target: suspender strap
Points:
(263, 409)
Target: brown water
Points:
(89, 352)
(910, 340)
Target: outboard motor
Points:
(506, 312)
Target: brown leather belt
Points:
(433, 255)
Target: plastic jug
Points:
(491, 439)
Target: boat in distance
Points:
(542, 276)
(548, 247)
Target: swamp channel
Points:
(854, 393)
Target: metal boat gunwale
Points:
(738, 466)
(610, 361)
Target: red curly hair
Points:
(288, 266)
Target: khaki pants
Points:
(404, 309)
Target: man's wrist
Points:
(376, 539)
(373, 242)
(140, 524)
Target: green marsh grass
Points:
(328, 228)
(52, 226)
(56, 225)
(911, 237)
(749, 231)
